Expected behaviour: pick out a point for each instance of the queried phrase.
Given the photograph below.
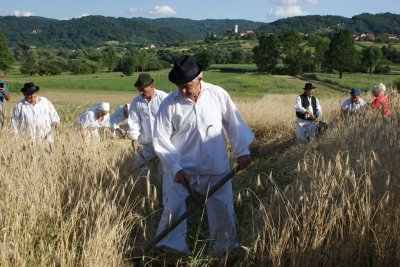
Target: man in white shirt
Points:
(189, 140)
(92, 120)
(119, 121)
(308, 110)
(142, 111)
(353, 104)
(34, 115)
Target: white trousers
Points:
(220, 213)
(305, 130)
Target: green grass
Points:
(238, 84)
(350, 80)
(113, 82)
(239, 66)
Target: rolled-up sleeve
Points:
(15, 120)
(54, 117)
(134, 121)
(318, 112)
(238, 132)
(298, 107)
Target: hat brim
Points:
(29, 90)
(310, 88)
(175, 78)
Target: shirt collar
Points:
(26, 102)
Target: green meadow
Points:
(360, 80)
(238, 84)
(248, 84)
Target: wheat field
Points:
(332, 202)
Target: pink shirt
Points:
(380, 102)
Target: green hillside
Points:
(94, 31)
(371, 23)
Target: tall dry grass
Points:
(73, 206)
(331, 202)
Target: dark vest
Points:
(305, 103)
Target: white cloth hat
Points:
(103, 106)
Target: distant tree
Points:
(6, 58)
(93, 54)
(53, 66)
(238, 56)
(109, 57)
(221, 55)
(391, 53)
(142, 58)
(168, 55)
(341, 53)
(292, 51)
(308, 60)
(128, 64)
(371, 56)
(205, 57)
(321, 45)
(82, 66)
(266, 54)
(29, 61)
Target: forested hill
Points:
(198, 29)
(363, 23)
(96, 30)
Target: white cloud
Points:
(289, 11)
(18, 13)
(84, 15)
(134, 10)
(295, 2)
(162, 11)
(27, 13)
(287, 2)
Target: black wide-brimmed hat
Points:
(143, 80)
(29, 88)
(308, 86)
(185, 70)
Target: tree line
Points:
(293, 54)
(288, 53)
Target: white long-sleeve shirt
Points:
(141, 116)
(35, 120)
(189, 135)
(118, 119)
(349, 107)
(301, 109)
(88, 120)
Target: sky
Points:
(255, 10)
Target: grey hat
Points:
(143, 80)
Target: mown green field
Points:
(360, 80)
(364, 44)
(249, 84)
(238, 84)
